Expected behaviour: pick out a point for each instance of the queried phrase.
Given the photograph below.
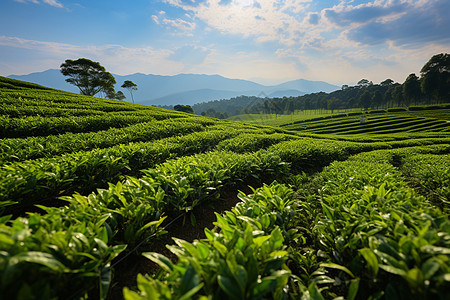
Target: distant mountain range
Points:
(186, 88)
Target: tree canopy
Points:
(436, 76)
(411, 88)
(119, 96)
(184, 108)
(387, 82)
(130, 86)
(89, 76)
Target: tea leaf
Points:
(371, 259)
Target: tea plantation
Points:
(92, 191)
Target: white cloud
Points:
(25, 1)
(179, 26)
(155, 19)
(265, 20)
(116, 58)
(190, 54)
(54, 3)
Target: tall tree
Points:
(332, 104)
(387, 97)
(365, 99)
(436, 77)
(377, 99)
(130, 86)
(411, 89)
(89, 76)
(397, 95)
(289, 108)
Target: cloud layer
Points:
(295, 22)
(308, 34)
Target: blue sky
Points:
(267, 41)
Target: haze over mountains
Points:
(186, 88)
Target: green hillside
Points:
(92, 191)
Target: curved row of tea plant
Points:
(425, 168)
(41, 180)
(243, 257)
(19, 149)
(64, 100)
(430, 174)
(377, 234)
(14, 111)
(42, 126)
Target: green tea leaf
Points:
(189, 281)
(371, 259)
(188, 295)
(338, 267)
(353, 289)
(435, 250)
(228, 285)
(131, 295)
(314, 292)
(393, 270)
(105, 281)
(203, 250)
(160, 259)
(41, 258)
(429, 268)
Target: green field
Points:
(277, 119)
(317, 122)
(104, 199)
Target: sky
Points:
(266, 41)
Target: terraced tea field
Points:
(379, 123)
(95, 194)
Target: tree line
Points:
(432, 87)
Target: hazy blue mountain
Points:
(155, 89)
(51, 78)
(185, 88)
